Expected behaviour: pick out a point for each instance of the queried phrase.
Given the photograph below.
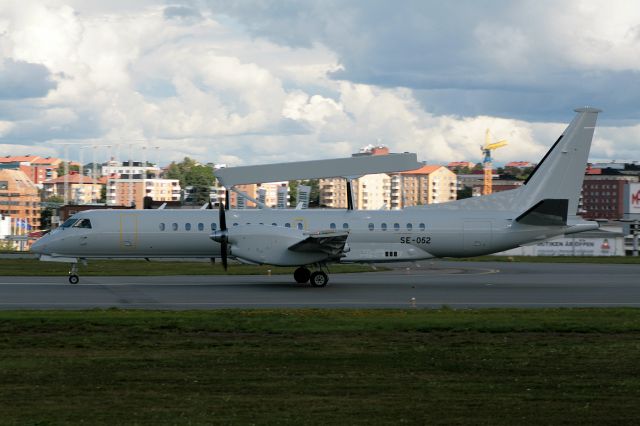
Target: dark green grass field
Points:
(34, 267)
(556, 366)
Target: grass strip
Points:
(499, 366)
(34, 267)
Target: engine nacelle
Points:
(264, 244)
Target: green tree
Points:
(314, 195)
(7, 246)
(49, 209)
(72, 168)
(293, 192)
(526, 172)
(190, 173)
(45, 217)
(55, 199)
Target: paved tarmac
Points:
(427, 284)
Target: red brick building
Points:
(603, 196)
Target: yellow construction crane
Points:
(488, 167)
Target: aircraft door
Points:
(477, 236)
(128, 231)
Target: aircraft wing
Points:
(332, 243)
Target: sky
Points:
(264, 81)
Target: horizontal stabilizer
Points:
(548, 212)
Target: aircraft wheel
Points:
(74, 279)
(319, 279)
(301, 275)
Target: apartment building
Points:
(372, 192)
(137, 169)
(456, 165)
(603, 196)
(427, 185)
(274, 194)
(333, 193)
(38, 169)
(19, 199)
(237, 201)
(131, 192)
(80, 189)
(520, 164)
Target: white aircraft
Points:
(544, 207)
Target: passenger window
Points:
(83, 223)
(214, 226)
(332, 226)
(201, 227)
(299, 225)
(187, 227)
(422, 227)
(396, 226)
(345, 226)
(162, 226)
(409, 226)
(235, 224)
(287, 225)
(371, 227)
(274, 224)
(383, 226)
(174, 226)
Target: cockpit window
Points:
(83, 223)
(69, 222)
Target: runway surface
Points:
(431, 284)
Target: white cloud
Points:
(598, 35)
(251, 86)
(21, 149)
(314, 109)
(5, 126)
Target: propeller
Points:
(222, 236)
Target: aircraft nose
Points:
(38, 246)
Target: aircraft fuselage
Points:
(374, 236)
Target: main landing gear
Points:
(317, 278)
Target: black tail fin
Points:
(548, 212)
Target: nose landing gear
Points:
(73, 274)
